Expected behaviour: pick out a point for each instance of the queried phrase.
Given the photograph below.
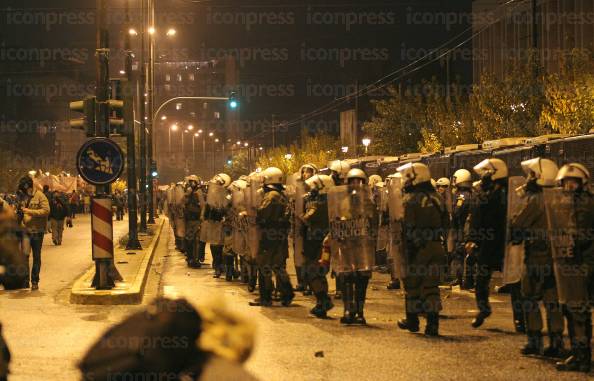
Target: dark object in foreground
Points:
(158, 343)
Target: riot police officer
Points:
(192, 211)
(393, 182)
(462, 182)
(272, 218)
(178, 215)
(354, 231)
(425, 223)
(570, 221)
(487, 236)
(237, 248)
(305, 172)
(213, 218)
(315, 220)
(338, 171)
(538, 280)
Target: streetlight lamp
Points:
(366, 142)
(173, 127)
(171, 32)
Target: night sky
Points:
(293, 57)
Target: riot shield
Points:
(352, 227)
(216, 196)
(179, 197)
(384, 228)
(562, 230)
(396, 246)
(169, 198)
(239, 222)
(299, 204)
(253, 198)
(513, 261)
(211, 230)
(291, 184)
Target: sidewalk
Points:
(133, 265)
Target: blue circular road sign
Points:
(100, 161)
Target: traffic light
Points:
(233, 102)
(116, 108)
(87, 122)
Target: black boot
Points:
(410, 323)
(339, 286)
(323, 305)
(556, 347)
(579, 361)
(229, 267)
(534, 345)
(393, 285)
(432, 327)
(480, 318)
(349, 304)
(361, 283)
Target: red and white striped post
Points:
(102, 227)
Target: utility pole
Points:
(142, 111)
(105, 271)
(273, 132)
(150, 99)
(133, 243)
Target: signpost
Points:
(100, 162)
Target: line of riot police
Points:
(535, 230)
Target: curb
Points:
(82, 293)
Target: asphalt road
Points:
(288, 338)
(47, 335)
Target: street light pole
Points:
(105, 271)
(143, 118)
(133, 242)
(150, 99)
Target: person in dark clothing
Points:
(570, 221)
(487, 232)
(59, 212)
(462, 181)
(425, 225)
(15, 268)
(273, 219)
(316, 228)
(74, 200)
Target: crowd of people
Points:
(536, 230)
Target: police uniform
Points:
(192, 213)
(273, 220)
(425, 225)
(460, 212)
(316, 229)
(538, 279)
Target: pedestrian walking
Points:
(33, 210)
(59, 213)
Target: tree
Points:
(396, 126)
(239, 165)
(508, 106)
(317, 150)
(569, 107)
